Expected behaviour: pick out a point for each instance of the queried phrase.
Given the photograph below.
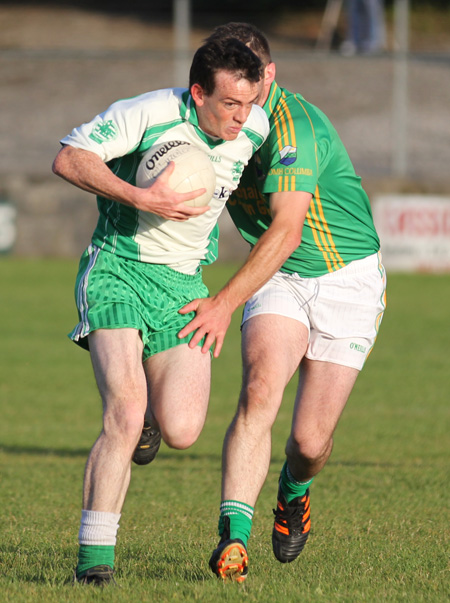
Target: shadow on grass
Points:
(384, 464)
(166, 568)
(183, 455)
(169, 568)
(84, 452)
(42, 564)
(36, 451)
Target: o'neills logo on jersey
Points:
(165, 148)
(288, 155)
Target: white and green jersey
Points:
(121, 136)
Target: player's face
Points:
(224, 113)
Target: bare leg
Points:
(117, 361)
(179, 384)
(323, 391)
(272, 348)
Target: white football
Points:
(193, 169)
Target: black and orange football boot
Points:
(291, 527)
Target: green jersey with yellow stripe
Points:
(303, 152)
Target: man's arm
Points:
(87, 171)
(213, 314)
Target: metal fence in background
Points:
(392, 111)
(46, 93)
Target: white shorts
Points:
(342, 310)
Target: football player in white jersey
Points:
(131, 283)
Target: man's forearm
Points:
(87, 171)
(273, 248)
(266, 257)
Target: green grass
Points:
(380, 507)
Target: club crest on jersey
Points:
(237, 169)
(288, 155)
(104, 131)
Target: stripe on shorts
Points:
(83, 327)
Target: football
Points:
(193, 169)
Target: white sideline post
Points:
(329, 23)
(182, 35)
(400, 89)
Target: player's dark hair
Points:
(250, 35)
(223, 54)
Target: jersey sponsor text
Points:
(290, 172)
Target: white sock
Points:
(98, 527)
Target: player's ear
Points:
(197, 94)
(269, 74)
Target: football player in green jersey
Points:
(143, 263)
(314, 288)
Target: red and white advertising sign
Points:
(414, 231)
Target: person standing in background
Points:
(366, 31)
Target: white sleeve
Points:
(118, 131)
(263, 121)
(257, 127)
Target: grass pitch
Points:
(380, 507)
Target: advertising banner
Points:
(414, 231)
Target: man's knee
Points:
(308, 450)
(124, 425)
(181, 436)
(259, 394)
(182, 430)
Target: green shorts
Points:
(112, 292)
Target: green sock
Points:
(290, 486)
(91, 555)
(240, 515)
